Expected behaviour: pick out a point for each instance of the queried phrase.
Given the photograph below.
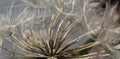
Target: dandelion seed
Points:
(49, 36)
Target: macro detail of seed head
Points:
(60, 29)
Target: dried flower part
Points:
(54, 27)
